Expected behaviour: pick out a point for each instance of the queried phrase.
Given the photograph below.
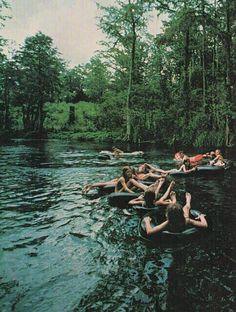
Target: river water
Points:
(62, 251)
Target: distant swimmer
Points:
(218, 160)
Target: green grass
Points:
(57, 116)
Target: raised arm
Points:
(163, 200)
(200, 221)
(187, 207)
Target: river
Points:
(63, 251)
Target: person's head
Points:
(175, 215)
(149, 197)
(125, 168)
(127, 173)
(218, 152)
(143, 168)
(134, 171)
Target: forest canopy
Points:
(178, 86)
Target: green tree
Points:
(123, 23)
(72, 85)
(39, 68)
(96, 79)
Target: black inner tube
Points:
(189, 232)
(121, 199)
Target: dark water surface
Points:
(61, 251)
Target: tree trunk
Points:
(72, 115)
(203, 57)
(6, 105)
(229, 82)
(131, 73)
(186, 85)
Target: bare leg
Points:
(139, 185)
(88, 187)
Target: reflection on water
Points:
(61, 251)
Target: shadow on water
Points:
(62, 251)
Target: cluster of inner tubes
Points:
(122, 199)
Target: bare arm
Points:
(188, 170)
(187, 207)
(201, 222)
(155, 229)
(152, 168)
(139, 185)
(163, 199)
(124, 186)
(182, 168)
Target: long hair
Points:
(175, 216)
(125, 170)
(149, 197)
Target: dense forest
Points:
(178, 86)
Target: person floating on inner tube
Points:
(180, 156)
(146, 171)
(194, 160)
(126, 183)
(186, 167)
(112, 182)
(152, 197)
(177, 218)
(116, 151)
(218, 160)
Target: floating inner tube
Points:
(146, 182)
(145, 210)
(209, 168)
(108, 189)
(136, 153)
(182, 173)
(121, 199)
(188, 233)
(105, 156)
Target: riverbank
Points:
(92, 136)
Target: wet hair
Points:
(149, 197)
(125, 170)
(134, 171)
(175, 216)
